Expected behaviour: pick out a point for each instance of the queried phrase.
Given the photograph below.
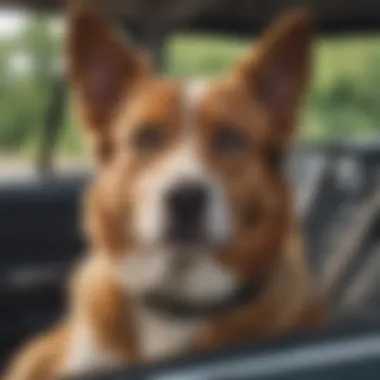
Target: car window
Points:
(343, 101)
(33, 97)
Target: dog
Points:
(192, 239)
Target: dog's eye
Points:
(227, 140)
(147, 138)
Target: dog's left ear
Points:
(102, 70)
(278, 69)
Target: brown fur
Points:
(41, 359)
(260, 98)
(105, 306)
(281, 308)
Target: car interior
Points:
(338, 199)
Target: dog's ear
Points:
(102, 68)
(278, 68)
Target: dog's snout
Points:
(187, 201)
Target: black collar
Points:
(174, 307)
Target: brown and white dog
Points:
(193, 241)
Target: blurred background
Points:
(44, 163)
(343, 101)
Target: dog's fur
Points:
(249, 224)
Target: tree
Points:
(28, 61)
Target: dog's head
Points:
(190, 173)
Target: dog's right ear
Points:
(278, 70)
(102, 70)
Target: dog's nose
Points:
(187, 202)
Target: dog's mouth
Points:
(197, 286)
(187, 236)
(176, 306)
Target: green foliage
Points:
(27, 62)
(343, 102)
(199, 55)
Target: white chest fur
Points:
(161, 337)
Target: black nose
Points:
(187, 202)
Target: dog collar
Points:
(176, 308)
